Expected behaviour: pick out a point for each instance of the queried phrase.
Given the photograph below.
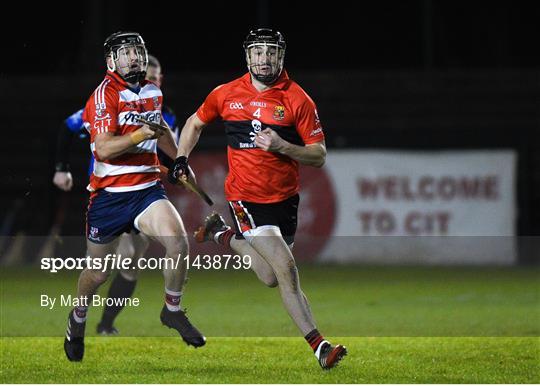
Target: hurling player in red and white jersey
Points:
(126, 192)
(272, 126)
(131, 245)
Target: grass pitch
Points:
(401, 325)
(273, 360)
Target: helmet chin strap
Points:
(130, 77)
(266, 79)
(134, 76)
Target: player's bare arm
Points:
(166, 142)
(190, 135)
(312, 155)
(109, 146)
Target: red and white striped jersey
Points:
(113, 108)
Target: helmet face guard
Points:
(265, 54)
(128, 56)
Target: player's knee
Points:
(99, 277)
(269, 279)
(126, 250)
(271, 282)
(182, 244)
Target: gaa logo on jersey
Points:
(279, 113)
(157, 105)
(236, 106)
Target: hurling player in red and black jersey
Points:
(271, 126)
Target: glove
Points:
(178, 169)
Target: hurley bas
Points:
(85, 301)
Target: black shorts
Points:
(249, 215)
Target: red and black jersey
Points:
(256, 175)
(113, 108)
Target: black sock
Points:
(314, 338)
(120, 288)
